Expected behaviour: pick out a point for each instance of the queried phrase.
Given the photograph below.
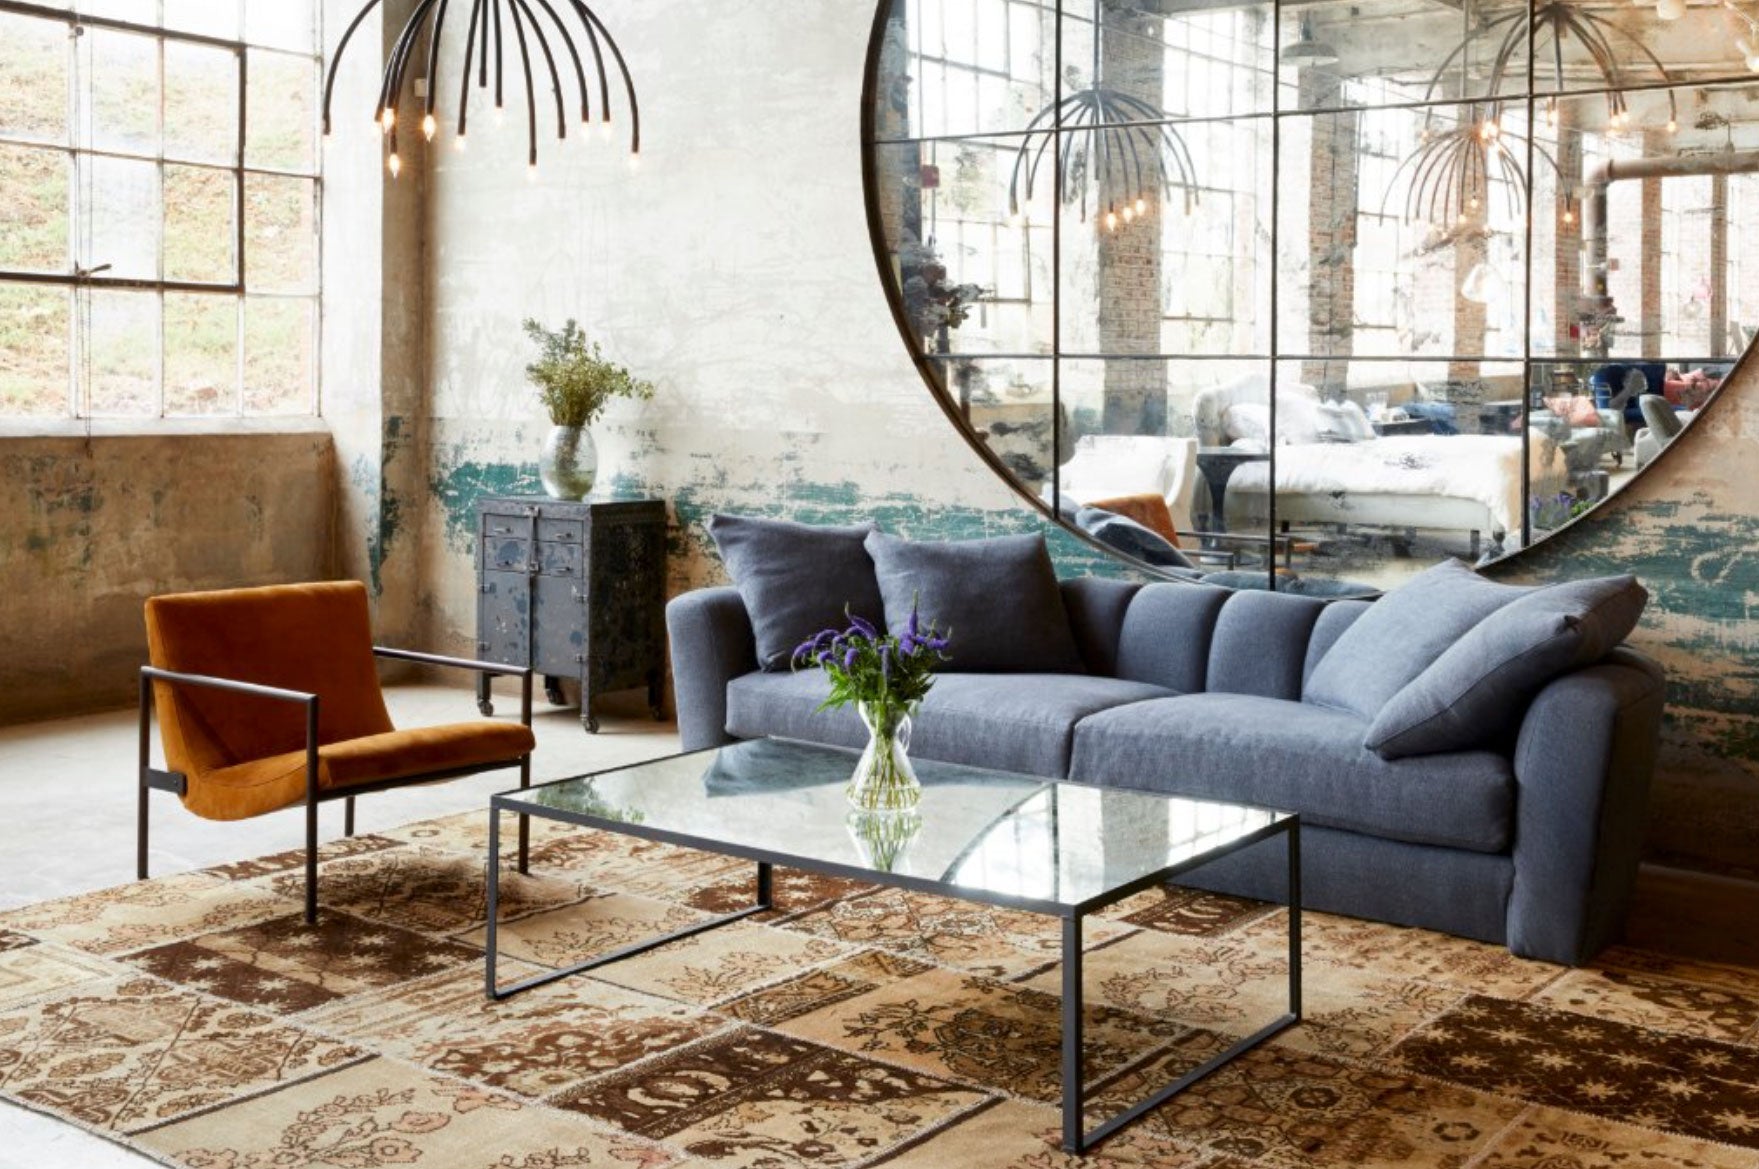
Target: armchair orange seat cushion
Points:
(242, 754)
(1148, 509)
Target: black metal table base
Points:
(1076, 1136)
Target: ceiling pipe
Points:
(1595, 231)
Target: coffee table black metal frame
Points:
(1077, 1138)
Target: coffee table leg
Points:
(498, 993)
(1078, 1141)
(1074, 1139)
(494, 902)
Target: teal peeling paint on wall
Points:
(845, 502)
(457, 487)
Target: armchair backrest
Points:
(315, 638)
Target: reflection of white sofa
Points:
(1108, 466)
(1327, 473)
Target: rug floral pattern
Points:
(196, 1019)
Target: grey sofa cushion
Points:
(998, 598)
(795, 579)
(1298, 757)
(1476, 691)
(1401, 635)
(1016, 722)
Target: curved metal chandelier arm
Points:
(574, 54)
(543, 45)
(476, 18)
(530, 87)
(593, 21)
(427, 126)
(341, 46)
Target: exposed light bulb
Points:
(1111, 221)
(1015, 219)
(605, 128)
(634, 160)
(388, 119)
(394, 165)
(1142, 206)
(1753, 62)
(500, 117)
(458, 142)
(1551, 114)
(428, 126)
(1673, 126)
(531, 173)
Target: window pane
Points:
(33, 351)
(124, 217)
(124, 354)
(201, 103)
(280, 234)
(280, 341)
(133, 11)
(33, 76)
(215, 18)
(33, 191)
(200, 240)
(280, 131)
(123, 74)
(280, 25)
(201, 354)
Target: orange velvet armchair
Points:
(269, 698)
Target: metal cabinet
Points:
(573, 590)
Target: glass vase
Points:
(569, 462)
(884, 781)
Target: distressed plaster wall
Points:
(733, 268)
(89, 528)
(1689, 528)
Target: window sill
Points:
(156, 427)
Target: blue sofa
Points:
(1532, 842)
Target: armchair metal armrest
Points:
(523, 673)
(155, 674)
(410, 655)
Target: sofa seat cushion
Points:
(1014, 722)
(1298, 757)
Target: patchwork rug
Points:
(195, 1019)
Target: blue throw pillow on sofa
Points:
(795, 579)
(1402, 634)
(999, 598)
(1476, 691)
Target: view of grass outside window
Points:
(159, 174)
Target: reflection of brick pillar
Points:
(1718, 265)
(1469, 315)
(1567, 254)
(1331, 231)
(1651, 252)
(1133, 62)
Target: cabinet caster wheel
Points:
(485, 708)
(553, 695)
(591, 723)
(659, 713)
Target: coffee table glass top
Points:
(981, 835)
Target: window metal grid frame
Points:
(240, 169)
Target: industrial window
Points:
(159, 170)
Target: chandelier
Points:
(491, 25)
(1105, 132)
(1452, 169)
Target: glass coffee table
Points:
(1064, 850)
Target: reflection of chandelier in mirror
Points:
(483, 45)
(1451, 170)
(1103, 133)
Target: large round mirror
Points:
(1309, 295)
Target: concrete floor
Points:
(67, 808)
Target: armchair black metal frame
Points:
(152, 778)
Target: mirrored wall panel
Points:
(1307, 296)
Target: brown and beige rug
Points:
(196, 1019)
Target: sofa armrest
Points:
(1583, 765)
(712, 643)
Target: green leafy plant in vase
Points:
(885, 676)
(574, 382)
